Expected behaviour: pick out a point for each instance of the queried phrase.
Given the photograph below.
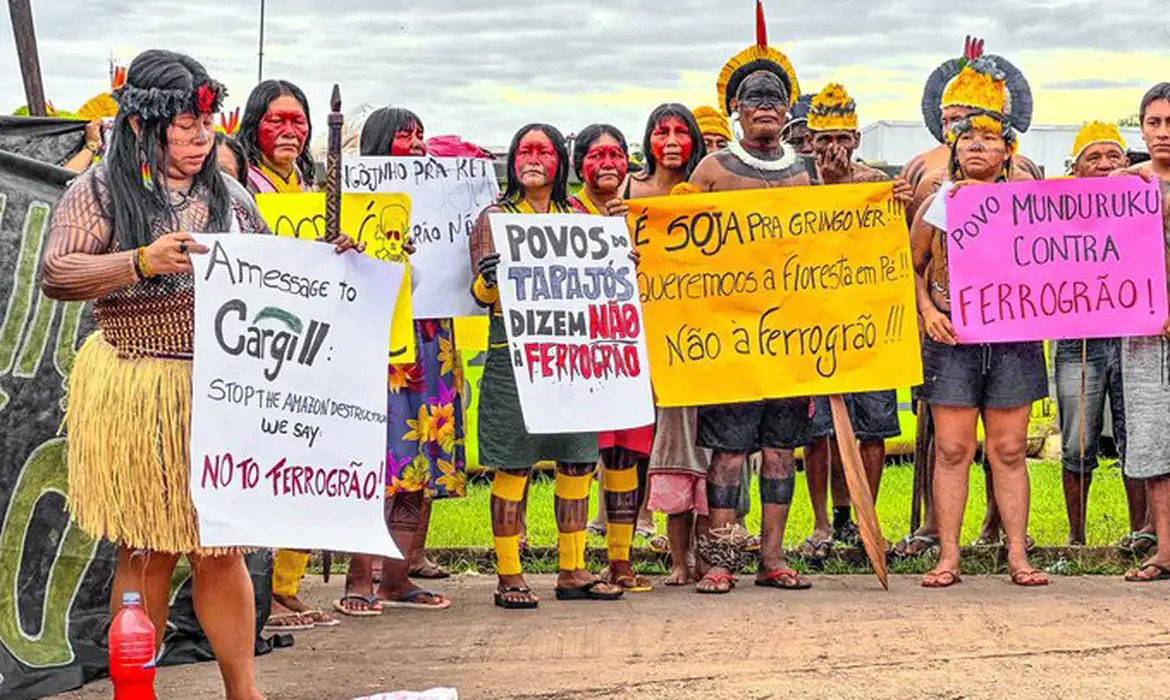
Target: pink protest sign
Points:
(1074, 258)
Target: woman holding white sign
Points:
(424, 453)
(963, 382)
(538, 173)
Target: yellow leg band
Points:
(288, 568)
(567, 550)
(620, 480)
(573, 488)
(508, 556)
(507, 486)
(579, 550)
(618, 538)
(483, 293)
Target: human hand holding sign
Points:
(343, 243)
(903, 192)
(171, 254)
(487, 267)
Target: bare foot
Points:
(679, 576)
(297, 605)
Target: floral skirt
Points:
(425, 440)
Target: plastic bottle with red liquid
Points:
(131, 644)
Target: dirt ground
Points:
(845, 638)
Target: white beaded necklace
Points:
(786, 160)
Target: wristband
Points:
(483, 293)
(142, 266)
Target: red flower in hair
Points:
(205, 98)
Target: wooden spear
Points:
(26, 51)
(859, 494)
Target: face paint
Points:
(605, 164)
(762, 103)
(409, 142)
(283, 130)
(190, 139)
(671, 143)
(536, 159)
(981, 153)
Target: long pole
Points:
(260, 63)
(26, 50)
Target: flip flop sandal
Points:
(717, 579)
(586, 592)
(295, 623)
(374, 606)
(1134, 575)
(848, 534)
(909, 541)
(429, 572)
(410, 601)
(320, 619)
(785, 579)
(812, 549)
(645, 532)
(1138, 543)
(660, 544)
(752, 544)
(1028, 579)
(632, 584)
(938, 581)
(503, 602)
(595, 529)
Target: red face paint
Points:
(409, 142)
(283, 130)
(605, 164)
(671, 143)
(536, 159)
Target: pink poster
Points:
(1073, 258)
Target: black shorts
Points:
(988, 375)
(749, 427)
(874, 415)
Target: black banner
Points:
(53, 631)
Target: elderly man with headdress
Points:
(942, 108)
(759, 85)
(997, 382)
(121, 237)
(1145, 367)
(833, 137)
(537, 183)
(1088, 372)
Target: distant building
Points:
(894, 143)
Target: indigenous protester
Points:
(714, 126)
(833, 137)
(674, 147)
(121, 237)
(275, 132)
(1088, 371)
(759, 85)
(537, 182)
(425, 446)
(1144, 363)
(89, 153)
(233, 161)
(795, 132)
(963, 382)
(601, 161)
(942, 108)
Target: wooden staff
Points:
(333, 168)
(920, 499)
(871, 531)
(26, 50)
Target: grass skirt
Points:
(128, 422)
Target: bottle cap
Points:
(131, 598)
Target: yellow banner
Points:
(379, 220)
(776, 293)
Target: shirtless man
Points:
(833, 138)
(759, 84)
(1147, 447)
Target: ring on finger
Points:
(183, 247)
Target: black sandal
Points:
(503, 602)
(586, 592)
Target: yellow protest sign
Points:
(378, 220)
(776, 293)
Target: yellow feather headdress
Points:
(754, 58)
(1096, 132)
(832, 109)
(712, 121)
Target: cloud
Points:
(481, 68)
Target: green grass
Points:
(465, 522)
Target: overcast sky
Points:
(482, 68)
